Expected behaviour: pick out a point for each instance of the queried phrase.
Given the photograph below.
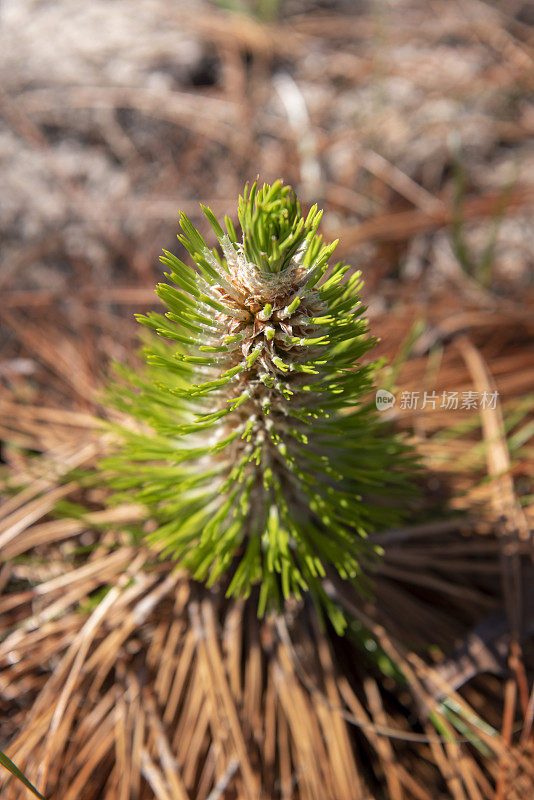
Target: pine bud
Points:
(257, 457)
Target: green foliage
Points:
(262, 10)
(250, 444)
(273, 226)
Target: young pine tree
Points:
(255, 454)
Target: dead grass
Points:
(123, 680)
(129, 680)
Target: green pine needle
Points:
(254, 452)
(19, 775)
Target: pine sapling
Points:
(252, 448)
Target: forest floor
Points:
(411, 123)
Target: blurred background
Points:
(410, 122)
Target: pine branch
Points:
(256, 455)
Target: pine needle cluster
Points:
(255, 453)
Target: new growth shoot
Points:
(256, 456)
